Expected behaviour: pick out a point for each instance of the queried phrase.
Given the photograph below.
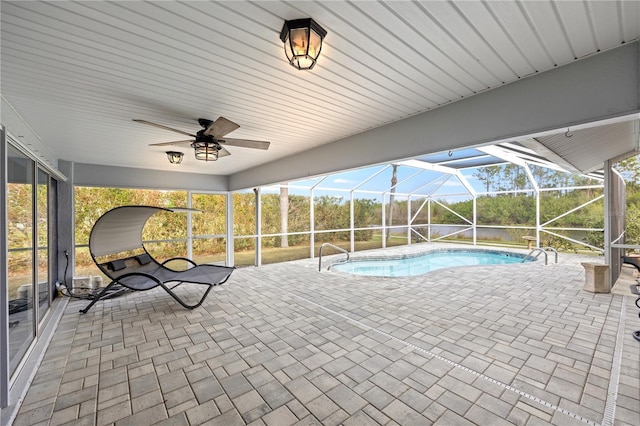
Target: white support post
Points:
(352, 222)
(258, 259)
(312, 220)
(536, 189)
(607, 209)
(429, 220)
(230, 240)
(189, 226)
(538, 227)
(475, 219)
(409, 221)
(384, 223)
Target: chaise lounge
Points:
(116, 247)
(632, 260)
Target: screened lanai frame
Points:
(427, 173)
(422, 184)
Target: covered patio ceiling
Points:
(75, 74)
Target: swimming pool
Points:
(426, 262)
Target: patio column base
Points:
(597, 278)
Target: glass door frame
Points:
(4, 274)
(50, 244)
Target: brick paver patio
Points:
(284, 344)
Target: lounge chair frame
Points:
(632, 260)
(120, 230)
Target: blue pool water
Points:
(427, 262)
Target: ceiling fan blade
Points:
(189, 142)
(221, 127)
(163, 127)
(245, 143)
(223, 152)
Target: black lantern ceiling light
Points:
(175, 157)
(302, 40)
(206, 150)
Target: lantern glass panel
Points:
(287, 49)
(299, 40)
(315, 44)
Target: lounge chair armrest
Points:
(178, 258)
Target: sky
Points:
(410, 180)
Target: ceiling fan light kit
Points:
(302, 40)
(175, 157)
(206, 151)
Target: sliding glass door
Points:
(21, 254)
(28, 252)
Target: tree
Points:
(364, 214)
(514, 178)
(630, 169)
(487, 175)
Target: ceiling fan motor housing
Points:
(205, 123)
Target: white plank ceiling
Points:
(79, 72)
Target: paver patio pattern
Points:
(285, 344)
